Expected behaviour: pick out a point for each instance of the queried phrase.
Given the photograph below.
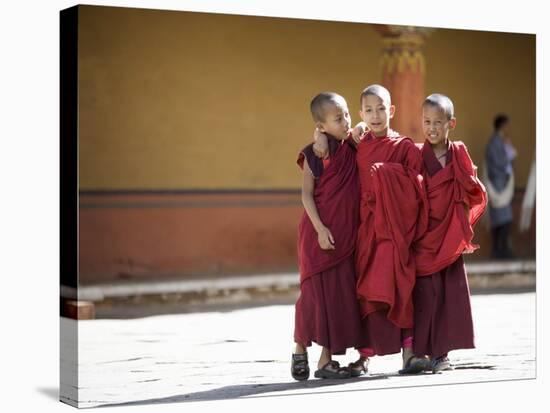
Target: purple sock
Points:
(366, 352)
(407, 342)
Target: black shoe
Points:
(332, 370)
(359, 367)
(441, 364)
(299, 368)
(415, 365)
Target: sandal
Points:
(428, 368)
(299, 367)
(415, 365)
(359, 367)
(332, 370)
(440, 364)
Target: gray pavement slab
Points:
(246, 353)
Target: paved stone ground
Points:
(245, 353)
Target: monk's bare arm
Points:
(326, 241)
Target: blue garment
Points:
(499, 166)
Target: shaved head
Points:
(320, 102)
(442, 102)
(379, 91)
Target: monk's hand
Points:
(358, 132)
(320, 147)
(325, 238)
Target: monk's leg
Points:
(361, 365)
(299, 349)
(411, 363)
(326, 356)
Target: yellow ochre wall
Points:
(177, 100)
(181, 100)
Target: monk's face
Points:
(337, 120)
(376, 113)
(436, 125)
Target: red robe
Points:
(393, 213)
(450, 231)
(336, 196)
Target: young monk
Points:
(327, 311)
(457, 198)
(393, 213)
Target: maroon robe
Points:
(448, 189)
(443, 315)
(327, 310)
(336, 196)
(393, 213)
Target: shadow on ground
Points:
(252, 390)
(257, 390)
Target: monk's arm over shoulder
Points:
(320, 144)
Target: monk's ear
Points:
(392, 111)
(452, 123)
(319, 126)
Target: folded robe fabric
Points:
(393, 214)
(450, 230)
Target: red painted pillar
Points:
(403, 69)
